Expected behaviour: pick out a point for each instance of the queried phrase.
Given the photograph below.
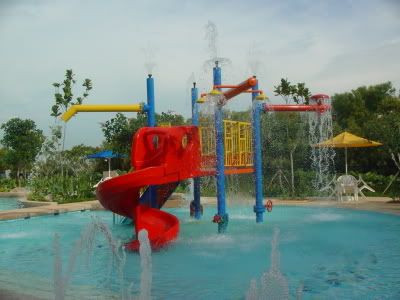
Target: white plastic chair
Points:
(331, 186)
(347, 185)
(364, 186)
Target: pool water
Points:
(7, 203)
(325, 253)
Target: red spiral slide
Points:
(161, 157)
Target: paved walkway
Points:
(36, 208)
(378, 204)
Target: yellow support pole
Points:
(74, 109)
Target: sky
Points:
(332, 46)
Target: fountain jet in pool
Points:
(85, 245)
(273, 285)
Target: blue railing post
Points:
(151, 122)
(222, 216)
(259, 208)
(151, 115)
(196, 180)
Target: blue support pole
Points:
(259, 208)
(151, 122)
(195, 109)
(196, 181)
(222, 216)
(151, 115)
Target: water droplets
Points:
(273, 285)
(146, 265)
(322, 158)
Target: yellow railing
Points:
(237, 143)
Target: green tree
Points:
(384, 125)
(352, 109)
(293, 129)
(75, 183)
(118, 131)
(242, 116)
(299, 92)
(170, 118)
(284, 89)
(48, 161)
(77, 161)
(64, 98)
(286, 146)
(365, 111)
(3, 162)
(22, 141)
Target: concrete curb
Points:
(50, 209)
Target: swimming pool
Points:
(325, 253)
(7, 203)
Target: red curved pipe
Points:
(299, 107)
(254, 91)
(225, 86)
(240, 88)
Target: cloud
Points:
(332, 46)
(371, 66)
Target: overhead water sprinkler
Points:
(318, 99)
(215, 92)
(262, 97)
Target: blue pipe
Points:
(220, 164)
(151, 115)
(259, 208)
(195, 108)
(196, 180)
(151, 122)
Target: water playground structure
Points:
(162, 157)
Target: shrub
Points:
(394, 190)
(376, 181)
(63, 189)
(7, 184)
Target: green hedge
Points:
(7, 184)
(380, 182)
(63, 189)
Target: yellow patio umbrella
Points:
(347, 140)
